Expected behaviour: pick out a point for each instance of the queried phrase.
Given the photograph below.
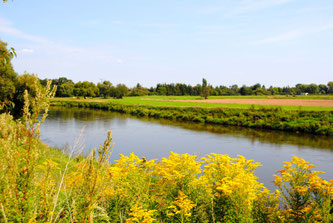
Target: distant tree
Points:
(330, 87)
(323, 89)
(161, 90)
(205, 89)
(244, 90)
(234, 89)
(312, 89)
(105, 88)
(59, 82)
(274, 90)
(139, 90)
(65, 90)
(256, 86)
(43, 81)
(86, 89)
(120, 91)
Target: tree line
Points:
(67, 88)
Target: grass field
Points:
(163, 101)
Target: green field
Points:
(163, 101)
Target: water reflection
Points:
(260, 135)
(155, 139)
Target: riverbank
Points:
(276, 118)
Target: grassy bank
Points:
(315, 122)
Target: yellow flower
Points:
(278, 180)
(182, 205)
(140, 214)
(301, 190)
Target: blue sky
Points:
(273, 42)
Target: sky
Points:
(272, 42)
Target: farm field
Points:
(311, 103)
(287, 102)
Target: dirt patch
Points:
(290, 102)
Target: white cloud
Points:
(117, 22)
(7, 28)
(160, 25)
(27, 50)
(94, 22)
(294, 34)
(254, 5)
(291, 35)
(41, 43)
(119, 61)
(214, 27)
(234, 7)
(53, 58)
(326, 27)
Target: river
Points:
(155, 139)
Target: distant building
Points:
(304, 94)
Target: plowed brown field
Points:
(291, 102)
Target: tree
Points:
(85, 89)
(161, 90)
(120, 91)
(205, 89)
(244, 90)
(65, 89)
(330, 87)
(323, 89)
(8, 80)
(312, 89)
(29, 82)
(105, 88)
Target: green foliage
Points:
(330, 87)
(120, 91)
(8, 79)
(205, 89)
(25, 82)
(66, 89)
(86, 89)
(139, 91)
(5, 54)
(105, 88)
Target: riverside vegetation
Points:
(315, 122)
(40, 184)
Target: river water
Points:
(155, 139)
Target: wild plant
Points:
(305, 196)
(231, 187)
(20, 152)
(88, 182)
(130, 177)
